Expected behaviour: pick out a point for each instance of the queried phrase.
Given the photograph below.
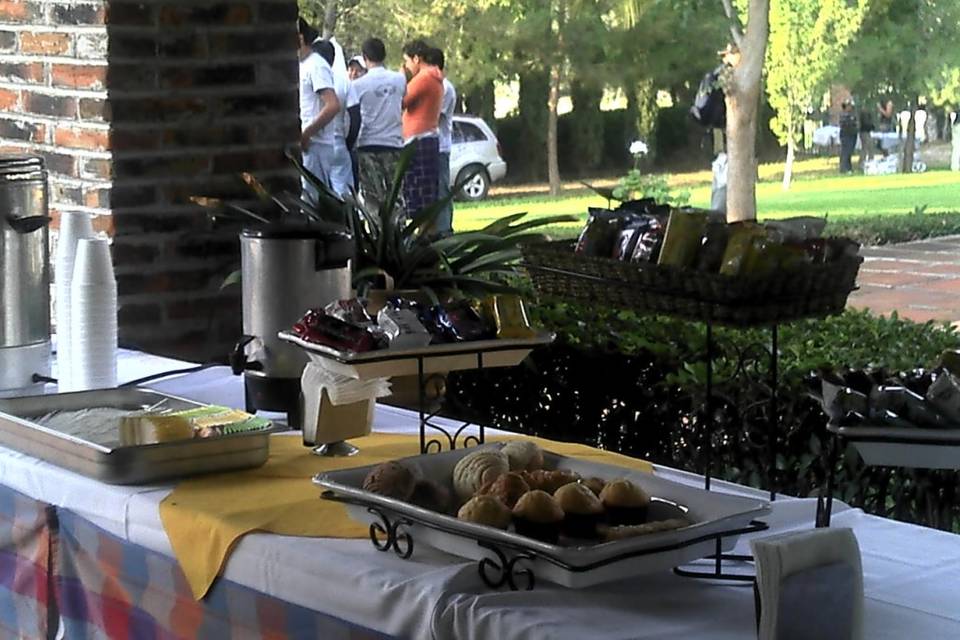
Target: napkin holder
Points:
(337, 409)
(809, 586)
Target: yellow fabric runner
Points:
(204, 517)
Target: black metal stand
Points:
(512, 566)
(428, 414)
(746, 365)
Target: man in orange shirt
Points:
(421, 117)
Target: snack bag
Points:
(681, 240)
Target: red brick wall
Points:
(136, 106)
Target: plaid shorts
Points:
(421, 183)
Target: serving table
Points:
(114, 574)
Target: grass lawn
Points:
(816, 190)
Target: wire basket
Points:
(814, 291)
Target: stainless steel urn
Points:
(24, 274)
(285, 270)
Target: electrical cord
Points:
(174, 372)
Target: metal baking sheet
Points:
(437, 358)
(141, 464)
(709, 512)
(916, 448)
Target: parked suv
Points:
(475, 145)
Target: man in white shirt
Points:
(318, 107)
(341, 166)
(375, 103)
(444, 224)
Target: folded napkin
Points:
(810, 585)
(204, 517)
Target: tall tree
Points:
(808, 39)
(741, 80)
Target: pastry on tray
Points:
(392, 480)
(633, 530)
(508, 487)
(624, 502)
(523, 455)
(537, 515)
(485, 510)
(582, 510)
(477, 469)
(431, 496)
(549, 481)
(595, 484)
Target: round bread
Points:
(477, 469)
(549, 481)
(523, 455)
(485, 510)
(508, 487)
(575, 498)
(390, 479)
(594, 484)
(538, 506)
(623, 493)
(430, 495)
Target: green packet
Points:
(222, 420)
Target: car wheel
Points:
(477, 187)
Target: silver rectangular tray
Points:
(435, 358)
(710, 513)
(909, 447)
(139, 464)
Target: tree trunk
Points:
(481, 101)
(331, 12)
(743, 98)
(788, 165)
(911, 140)
(553, 157)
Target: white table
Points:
(909, 571)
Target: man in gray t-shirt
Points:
(444, 224)
(375, 104)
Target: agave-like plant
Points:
(392, 245)
(395, 249)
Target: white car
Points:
(475, 146)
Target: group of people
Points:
(853, 128)
(357, 116)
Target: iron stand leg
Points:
(421, 389)
(774, 410)
(825, 502)
(707, 440)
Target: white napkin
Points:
(810, 585)
(319, 384)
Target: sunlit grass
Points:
(816, 190)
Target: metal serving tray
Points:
(910, 447)
(139, 464)
(711, 514)
(435, 358)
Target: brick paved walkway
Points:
(919, 280)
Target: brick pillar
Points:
(136, 106)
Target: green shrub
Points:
(635, 384)
(873, 230)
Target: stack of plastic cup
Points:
(74, 226)
(93, 310)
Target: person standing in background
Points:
(356, 68)
(318, 107)
(448, 106)
(421, 119)
(955, 141)
(866, 144)
(341, 166)
(849, 131)
(375, 103)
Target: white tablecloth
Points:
(909, 571)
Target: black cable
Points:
(167, 374)
(39, 377)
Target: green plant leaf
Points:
(232, 278)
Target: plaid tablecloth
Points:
(27, 538)
(54, 564)
(109, 588)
